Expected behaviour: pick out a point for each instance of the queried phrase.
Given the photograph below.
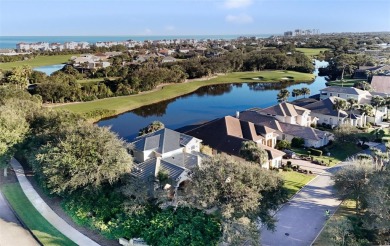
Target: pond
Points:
(49, 69)
(207, 103)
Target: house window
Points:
(284, 136)
(330, 94)
(338, 95)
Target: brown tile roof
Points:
(283, 109)
(381, 84)
(227, 134)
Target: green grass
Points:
(294, 181)
(311, 51)
(40, 227)
(345, 83)
(127, 103)
(37, 61)
(347, 208)
(337, 153)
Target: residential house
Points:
(289, 113)
(8, 52)
(286, 131)
(345, 93)
(362, 97)
(166, 151)
(227, 134)
(168, 59)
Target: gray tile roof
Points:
(325, 107)
(186, 160)
(150, 168)
(174, 171)
(162, 141)
(344, 90)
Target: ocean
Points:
(11, 41)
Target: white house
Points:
(345, 93)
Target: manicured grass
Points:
(311, 51)
(345, 83)
(346, 208)
(43, 230)
(337, 153)
(127, 103)
(294, 181)
(37, 61)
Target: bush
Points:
(283, 144)
(297, 142)
(289, 164)
(365, 146)
(316, 152)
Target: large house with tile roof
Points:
(166, 151)
(227, 134)
(289, 113)
(286, 131)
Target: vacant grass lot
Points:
(311, 51)
(43, 230)
(37, 62)
(127, 103)
(347, 208)
(294, 181)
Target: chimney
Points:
(237, 114)
(158, 163)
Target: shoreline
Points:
(122, 104)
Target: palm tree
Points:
(352, 104)
(283, 95)
(339, 104)
(305, 91)
(377, 101)
(366, 109)
(296, 92)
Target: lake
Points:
(49, 69)
(207, 103)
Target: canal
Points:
(207, 103)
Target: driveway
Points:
(302, 218)
(11, 231)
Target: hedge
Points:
(316, 152)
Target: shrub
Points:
(365, 146)
(316, 152)
(289, 164)
(297, 142)
(283, 144)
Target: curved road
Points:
(302, 218)
(11, 231)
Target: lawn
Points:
(311, 51)
(337, 153)
(127, 103)
(43, 230)
(345, 83)
(294, 181)
(346, 208)
(37, 61)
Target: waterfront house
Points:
(227, 134)
(289, 113)
(345, 93)
(167, 151)
(286, 131)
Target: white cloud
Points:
(234, 4)
(239, 19)
(169, 28)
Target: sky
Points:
(189, 17)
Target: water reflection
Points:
(206, 103)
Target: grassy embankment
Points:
(347, 208)
(37, 61)
(126, 103)
(40, 227)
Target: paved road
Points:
(302, 218)
(11, 232)
(46, 211)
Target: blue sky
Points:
(189, 17)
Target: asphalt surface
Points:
(11, 231)
(302, 218)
